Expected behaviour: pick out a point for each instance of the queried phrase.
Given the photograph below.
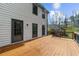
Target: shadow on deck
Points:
(10, 47)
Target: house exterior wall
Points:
(20, 11)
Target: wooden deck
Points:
(45, 46)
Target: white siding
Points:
(22, 12)
(5, 31)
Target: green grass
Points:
(69, 35)
(70, 30)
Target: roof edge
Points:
(41, 6)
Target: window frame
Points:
(34, 30)
(14, 29)
(43, 30)
(43, 14)
(34, 9)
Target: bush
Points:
(50, 31)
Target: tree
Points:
(72, 19)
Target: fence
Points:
(77, 37)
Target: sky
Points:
(66, 8)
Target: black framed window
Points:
(17, 30)
(35, 9)
(43, 29)
(43, 14)
(34, 30)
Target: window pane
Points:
(34, 30)
(43, 16)
(35, 9)
(43, 29)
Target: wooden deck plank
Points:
(45, 46)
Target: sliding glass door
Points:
(17, 30)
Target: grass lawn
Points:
(69, 35)
(70, 30)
